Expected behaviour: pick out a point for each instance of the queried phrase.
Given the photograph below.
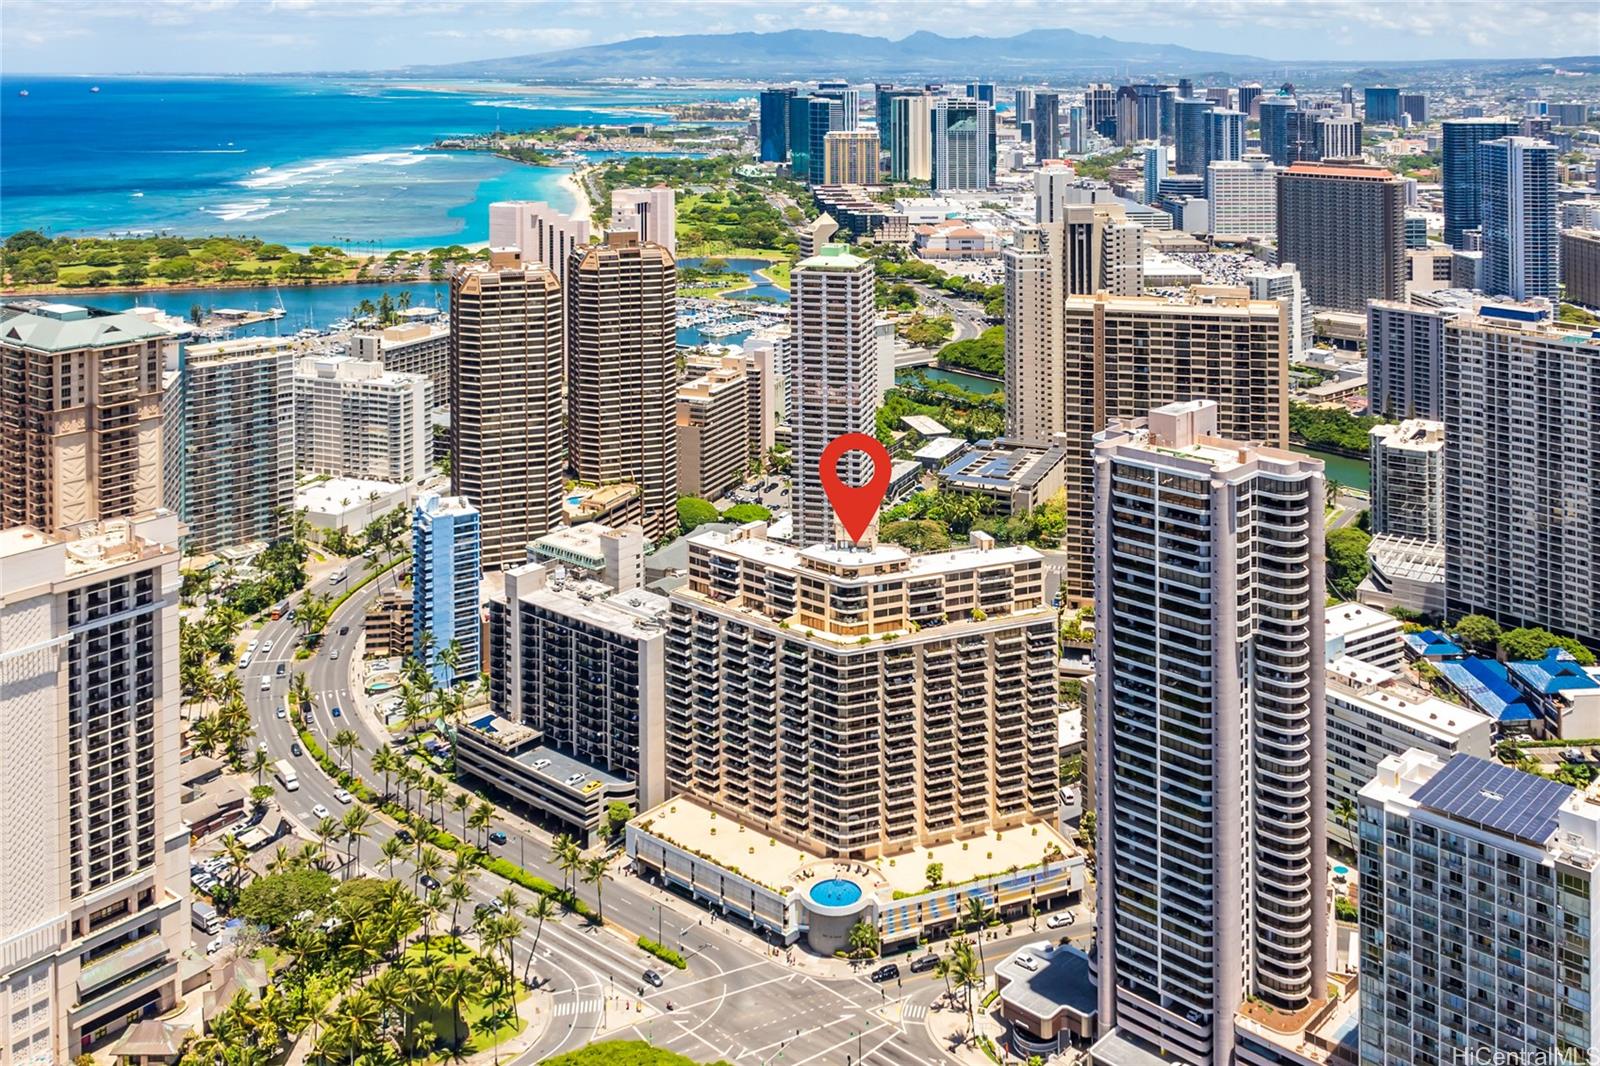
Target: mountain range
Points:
(824, 53)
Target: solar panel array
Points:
(1495, 797)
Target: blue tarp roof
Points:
(1483, 682)
(1558, 671)
(1431, 642)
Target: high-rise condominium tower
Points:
(833, 380)
(80, 412)
(861, 701)
(962, 144)
(94, 911)
(1343, 225)
(850, 157)
(1210, 740)
(1517, 198)
(1274, 112)
(1118, 356)
(1522, 502)
(446, 570)
(651, 214)
(1459, 162)
(238, 441)
(356, 419)
(775, 124)
(1405, 353)
(622, 307)
(1189, 136)
(1477, 900)
(1408, 479)
(540, 232)
(1034, 294)
(506, 447)
(910, 152)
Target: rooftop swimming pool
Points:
(835, 892)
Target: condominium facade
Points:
(622, 352)
(1477, 889)
(583, 664)
(1459, 171)
(911, 137)
(1580, 266)
(1374, 713)
(850, 157)
(94, 908)
(1337, 137)
(860, 702)
(1522, 504)
(962, 143)
(1120, 356)
(540, 232)
(1517, 200)
(713, 430)
(417, 348)
(1343, 225)
(1244, 198)
(356, 419)
(774, 123)
(1405, 352)
(1046, 126)
(1408, 479)
(650, 213)
(833, 379)
(506, 433)
(238, 448)
(1210, 761)
(80, 411)
(1035, 383)
(446, 567)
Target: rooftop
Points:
(1348, 618)
(833, 257)
(1496, 797)
(595, 602)
(522, 744)
(1002, 464)
(1414, 434)
(1062, 981)
(1558, 671)
(339, 494)
(1483, 682)
(68, 327)
(1399, 701)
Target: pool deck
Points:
(776, 863)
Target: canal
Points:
(1349, 472)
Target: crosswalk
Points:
(577, 1005)
(915, 1012)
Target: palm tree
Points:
(385, 762)
(356, 820)
(328, 829)
(347, 743)
(454, 988)
(482, 818)
(299, 694)
(429, 862)
(436, 796)
(540, 910)
(979, 915)
(423, 1037)
(594, 873)
(967, 972)
(863, 938)
(366, 945)
(357, 1021)
(461, 803)
(450, 658)
(457, 893)
(943, 968)
(393, 849)
(281, 861)
(565, 853)
(1345, 811)
(238, 857)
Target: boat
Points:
(94, 88)
(22, 92)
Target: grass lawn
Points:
(476, 1016)
(778, 273)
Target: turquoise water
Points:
(312, 306)
(970, 382)
(748, 268)
(1351, 473)
(835, 892)
(294, 160)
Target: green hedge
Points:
(994, 994)
(664, 953)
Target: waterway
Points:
(970, 382)
(763, 289)
(305, 306)
(1351, 473)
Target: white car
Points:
(1028, 962)
(214, 947)
(319, 812)
(266, 649)
(282, 713)
(343, 796)
(252, 645)
(334, 655)
(244, 661)
(1057, 921)
(540, 764)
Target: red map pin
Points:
(855, 505)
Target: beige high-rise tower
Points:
(80, 414)
(1120, 356)
(622, 355)
(94, 894)
(506, 448)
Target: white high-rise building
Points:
(962, 147)
(94, 855)
(1522, 502)
(1283, 283)
(356, 419)
(1244, 198)
(1210, 747)
(1408, 479)
(651, 213)
(833, 384)
(540, 232)
(1477, 909)
(1517, 195)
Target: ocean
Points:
(294, 160)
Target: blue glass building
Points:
(446, 568)
(1460, 165)
(775, 124)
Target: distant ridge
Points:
(822, 53)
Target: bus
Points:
(278, 610)
(286, 776)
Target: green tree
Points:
(935, 875)
(1347, 560)
(617, 815)
(273, 899)
(694, 512)
(1532, 643)
(747, 512)
(863, 939)
(1478, 632)
(915, 535)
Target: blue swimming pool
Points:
(835, 892)
(1341, 870)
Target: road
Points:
(734, 1001)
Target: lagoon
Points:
(970, 382)
(1349, 472)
